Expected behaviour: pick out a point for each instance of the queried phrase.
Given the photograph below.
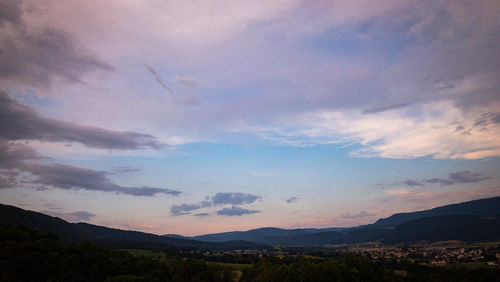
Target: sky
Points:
(195, 117)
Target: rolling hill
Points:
(79, 232)
(469, 221)
(484, 207)
(396, 228)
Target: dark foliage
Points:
(29, 255)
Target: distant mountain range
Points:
(477, 220)
(448, 222)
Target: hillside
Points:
(469, 221)
(484, 207)
(79, 232)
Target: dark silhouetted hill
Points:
(484, 207)
(448, 227)
(79, 232)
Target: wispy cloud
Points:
(236, 211)
(124, 169)
(429, 131)
(190, 100)
(379, 108)
(465, 176)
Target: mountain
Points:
(266, 234)
(469, 221)
(448, 227)
(450, 222)
(484, 207)
(79, 232)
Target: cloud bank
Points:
(19, 122)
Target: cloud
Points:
(19, 122)
(379, 108)
(10, 12)
(40, 55)
(236, 211)
(234, 198)
(18, 167)
(292, 200)
(184, 209)
(221, 198)
(465, 176)
(418, 131)
(76, 216)
(74, 178)
(160, 81)
(410, 182)
(203, 214)
(124, 169)
(190, 100)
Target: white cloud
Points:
(423, 130)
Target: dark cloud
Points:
(10, 12)
(184, 209)
(203, 214)
(465, 176)
(384, 107)
(70, 177)
(12, 155)
(19, 122)
(410, 182)
(124, 169)
(234, 198)
(17, 160)
(236, 211)
(292, 200)
(71, 216)
(38, 55)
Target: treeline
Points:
(351, 267)
(28, 255)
